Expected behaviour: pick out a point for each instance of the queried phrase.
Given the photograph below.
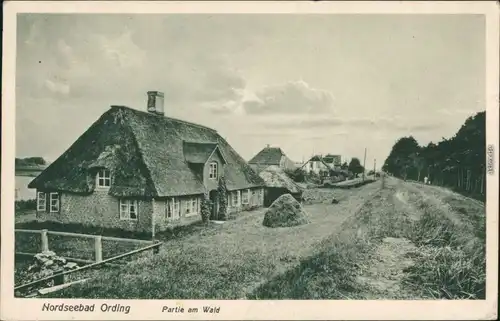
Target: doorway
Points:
(214, 201)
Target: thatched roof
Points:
(274, 176)
(149, 155)
(268, 156)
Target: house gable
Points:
(217, 159)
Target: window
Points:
(41, 202)
(173, 208)
(191, 206)
(234, 196)
(128, 209)
(212, 174)
(54, 202)
(103, 178)
(245, 197)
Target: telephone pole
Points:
(374, 165)
(364, 163)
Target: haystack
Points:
(285, 212)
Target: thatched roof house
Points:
(271, 156)
(129, 154)
(277, 183)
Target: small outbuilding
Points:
(278, 183)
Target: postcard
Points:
(288, 160)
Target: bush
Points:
(222, 194)
(205, 208)
(297, 175)
(25, 205)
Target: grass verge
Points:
(451, 258)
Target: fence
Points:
(98, 261)
(98, 252)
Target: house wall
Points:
(256, 200)
(315, 166)
(211, 184)
(99, 209)
(163, 223)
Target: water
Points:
(22, 190)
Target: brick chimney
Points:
(155, 102)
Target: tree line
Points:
(30, 161)
(458, 162)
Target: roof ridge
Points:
(165, 117)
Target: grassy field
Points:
(405, 241)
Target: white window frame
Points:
(191, 206)
(174, 207)
(169, 209)
(41, 201)
(103, 176)
(247, 201)
(125, 206)
(54, 206)
(213, 170)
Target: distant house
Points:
(322, 164)
(316, 165)
(271, 156)
(142, 171)
(278, 183)
(334, 161)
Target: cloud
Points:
(385, 124)
(294, 97)
(57, 87)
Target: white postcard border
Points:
(30, 309)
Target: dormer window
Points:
(212, 174)
(103, 178)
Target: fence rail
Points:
(97, 240)
(60, 276)
(98, 261)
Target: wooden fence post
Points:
(45, 241)
(98, 248)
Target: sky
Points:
(310, 84)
